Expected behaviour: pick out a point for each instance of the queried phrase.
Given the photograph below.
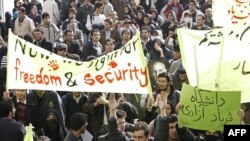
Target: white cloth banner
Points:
(122, 71)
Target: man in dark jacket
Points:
(73, 46)
(94, 47)
(73, 103)
(40, 41)
(10, 129)
(39, 103)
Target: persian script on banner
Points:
(231, 12)
(122, 71)
(208, 110)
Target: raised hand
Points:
(112, 102)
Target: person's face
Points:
(20, 94)
(40, 93)
(139, 15)
(191, 6)
(77, 94)
(69, 36)
(38, 36)
(153, 14)
(208, 12)
(158, 68)
(86, 2)
(61, 52)
(183, 77)
(96, 36)
(46, 20)
(146, 20)
(199, 21)
(133, 2)
(33, 11)
(21, 14)
(72, 15)
(73, 23)
(100, 9)
(18, 3)
(176, 1)
(126, 35)
(126, 10)
(145, 34)
(109, 46)
(107, 26)
(140, 136)
(176, 55)
(112, 15)
(163, 83)
(168, 109)
(52, 122)
(170, 17)
(121, 124)
(172, 131)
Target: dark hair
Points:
(171, 106)
(98, 5)
(193, 1)
(121, 114)
(93, 31)
(72, 10)
(145, 28)
(28, 37)
(38, 30)
(15, 1)
(164, 74)
(5, 108)
(66, 31)
(141, 125)
(77, 120)
(22, 9)
(201, 15)
(173, 118)
(109, 40)
(45, 14)
(109, 20)
(71, 19)
(127, 30)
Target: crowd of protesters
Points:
(84, 30)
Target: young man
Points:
(23, 23)
(94, 47)
(50, 30)
(109, 32)
(62, 50)
(10, 129)
(96, 20)
(40, 41)
(200, 20)
(78, 123)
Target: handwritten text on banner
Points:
(122, 71)
(207, 110)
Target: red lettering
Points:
(46, 79)
(106, 75)
(26, 77)
(55, 79)
(100, 79)
(39, 79)
(16, 67)
(32, 78)
(91, 82)
(120, 77)
(146, 78)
